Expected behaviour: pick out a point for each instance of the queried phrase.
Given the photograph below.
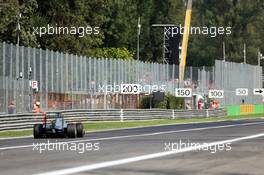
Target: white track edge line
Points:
(138, 135)
(143, 157)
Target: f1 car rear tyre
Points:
(71, 130)
(38, 131)
(80, 130)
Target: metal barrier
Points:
(67, 81)
(26, 121)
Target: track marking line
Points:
(96, 166)
(15, 138)
(139, 135)
(139, 127)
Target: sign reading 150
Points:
(183, 92)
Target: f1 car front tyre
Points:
(71, 130)
(38, 131)
(79, 129)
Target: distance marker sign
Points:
(130, 89)
(242, 92)
(183, 92)
(216, 94)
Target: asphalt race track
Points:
(234, 148)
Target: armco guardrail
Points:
(25, 121)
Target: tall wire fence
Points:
(68, 81)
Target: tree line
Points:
(118, 23)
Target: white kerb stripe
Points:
(141, 158)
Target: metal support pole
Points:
(224, 56)
(245, 54)
(138, 35)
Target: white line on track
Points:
(13, 138)
(138, 135)
(143, 157)
(139, 127)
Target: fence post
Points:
(207, 113)
(173, 116)
(121, 115)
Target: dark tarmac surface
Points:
(19, 156)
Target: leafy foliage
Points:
(121, 53)
(118, 23)
(170, 102)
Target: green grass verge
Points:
(21, 133)
(100, 126)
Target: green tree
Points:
(113, 53)
(66, 13)
(9, 15)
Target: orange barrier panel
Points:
(246, 109)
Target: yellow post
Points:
(185, 40)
